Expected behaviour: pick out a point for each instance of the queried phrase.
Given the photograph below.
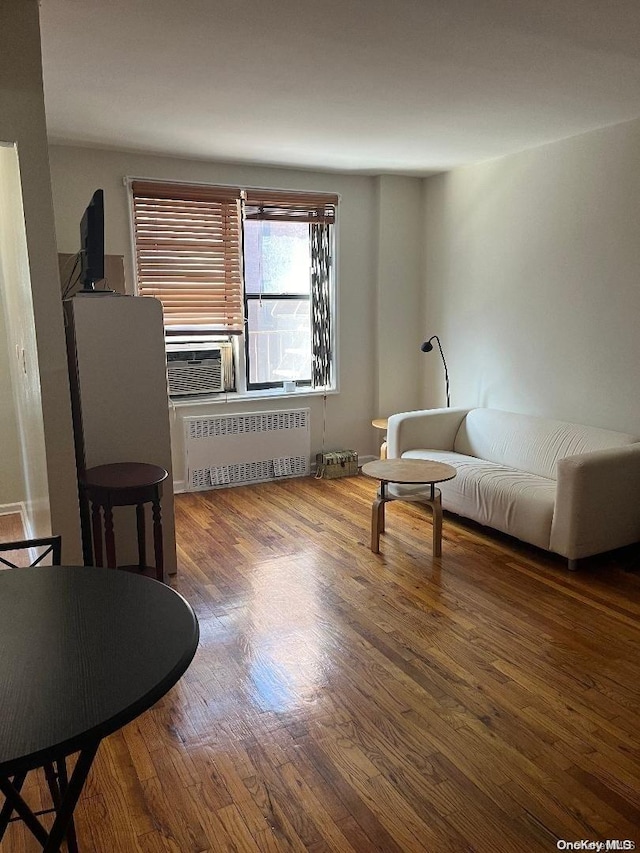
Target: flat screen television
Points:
(92, 242)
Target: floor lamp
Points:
(427, 346)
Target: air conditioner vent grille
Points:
(195, 378)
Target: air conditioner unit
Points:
(194, 369)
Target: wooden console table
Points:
(125, 484)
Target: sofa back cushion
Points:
(530, 443)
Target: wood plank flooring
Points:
(11, 529)
(344, 701)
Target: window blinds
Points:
(188, 253)
(290, 206)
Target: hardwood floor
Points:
(340, 700)
(11, 529)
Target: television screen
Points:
(92, 242)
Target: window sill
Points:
(246, 397)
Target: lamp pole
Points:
(427, 346)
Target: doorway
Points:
(24, 486)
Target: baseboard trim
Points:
(11, 509)
(362, 460)
(20, 509)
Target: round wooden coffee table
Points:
(423, 472)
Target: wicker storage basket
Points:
(338, 463)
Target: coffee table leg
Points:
(383, 494)
(381, 512)
(436, 511)
(377, 523)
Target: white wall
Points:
(399, 331)
(77, 172)
(12, 487)
(11, 479)
(531, 280)
(22, 122)
(24, 471)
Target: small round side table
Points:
(125, 484)
(424, 472)
(381, 423)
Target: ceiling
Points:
(400, 86)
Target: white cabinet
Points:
(117, 367)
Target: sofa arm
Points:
(428, 429)
(597, 502)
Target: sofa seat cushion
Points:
(515, 502)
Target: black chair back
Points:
(32, 552)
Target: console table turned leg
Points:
(109, 537)
(142, 536)
(157, 539)
(96, 528)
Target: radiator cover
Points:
(244, 448)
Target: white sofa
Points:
(570, 489)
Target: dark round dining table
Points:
(83, 651)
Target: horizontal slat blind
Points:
(188, 253)
(290, 206)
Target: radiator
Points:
(252, 447)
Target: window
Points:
(253, 263)
(277, 260)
